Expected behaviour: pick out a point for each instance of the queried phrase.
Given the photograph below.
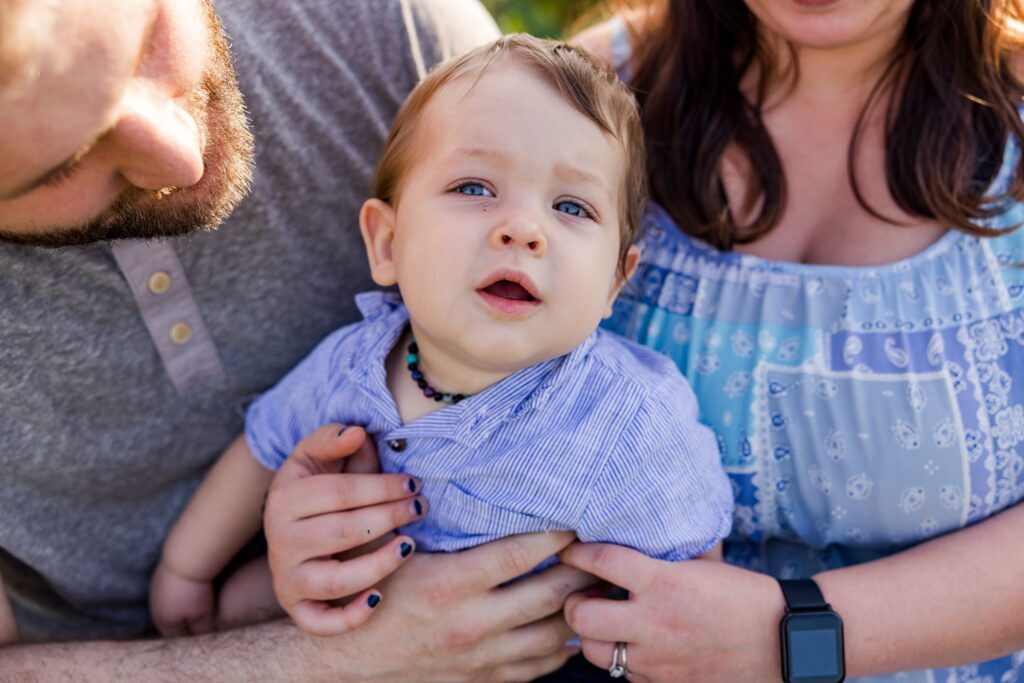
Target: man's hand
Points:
(327, 499)
(447, 617)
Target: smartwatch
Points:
(811, 635)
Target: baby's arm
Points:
(662, 490)
(223, 515)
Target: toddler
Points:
(504, 208)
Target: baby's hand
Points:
(181, 606)
(325, 502)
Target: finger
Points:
(321, 619)
(331, 579)
(200, 624)
(337, 532)
(364, 460)
(492, 564)
(535, 597)
(171, 629)
(529, 669)
(327, 493)
(538, 639)
(320, 452)
(600, 619)
(599, 652)
(621, 566)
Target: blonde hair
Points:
(588, 86)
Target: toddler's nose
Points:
(520, 231)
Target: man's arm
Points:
(444, 619)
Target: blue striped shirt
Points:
(603, 441)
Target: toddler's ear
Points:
(623, 276)
(377, 223)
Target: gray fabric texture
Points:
(98, 450)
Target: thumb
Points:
(321, 452)
(365, 459)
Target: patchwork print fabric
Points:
(858, 411)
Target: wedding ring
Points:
(618, 668)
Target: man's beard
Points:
(227, 171)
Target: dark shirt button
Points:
(397, 445)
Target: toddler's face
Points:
(506, 235)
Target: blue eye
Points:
(572, 208)
(473, 190)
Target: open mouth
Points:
(510, 292)
(506, 289)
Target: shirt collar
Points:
(473, 420)
(517, 396)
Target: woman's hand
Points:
(325, 500)
(698, 620)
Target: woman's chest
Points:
(822, 220)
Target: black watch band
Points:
(802, 595)
(811, 635)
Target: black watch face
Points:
(813, 648)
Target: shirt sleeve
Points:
(447, 28)
(297, 405)
(663, 490)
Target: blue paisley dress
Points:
(858, 410)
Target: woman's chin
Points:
(828, 24)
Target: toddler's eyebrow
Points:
(567, 172)
(485, 153)
(576, 174)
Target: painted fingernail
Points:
(405, 549)
(417, 507)
(373, 600)
(411, 485)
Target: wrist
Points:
(753, 640)
(329, 659)
(171, 569)
(811, 635)
(773, 610)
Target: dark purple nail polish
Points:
(405, 549)
(411, 485)
(417, 506)
(373, 600)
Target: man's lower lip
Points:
(509, 306)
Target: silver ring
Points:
(618, 668)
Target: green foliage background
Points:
(543, 18)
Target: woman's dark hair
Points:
(955, 104)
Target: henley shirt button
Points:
(159, 282)
(181, 333)
(397, 445)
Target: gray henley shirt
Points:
(125, 369)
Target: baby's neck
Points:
(445, 377)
